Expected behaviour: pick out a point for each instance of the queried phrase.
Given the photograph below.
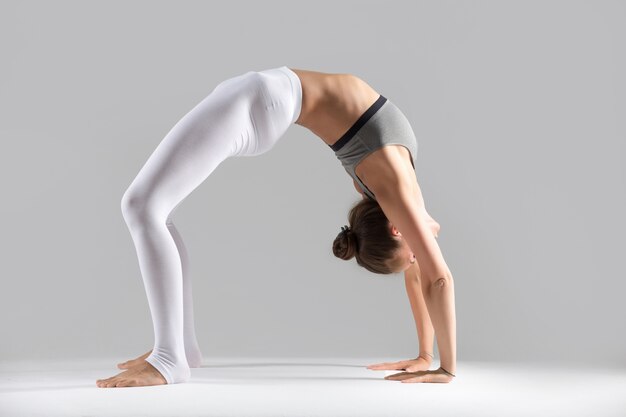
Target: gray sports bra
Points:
(381, 124)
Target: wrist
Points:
(449, 371)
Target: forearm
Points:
(439, 298)
(423, 324)
(403, 206)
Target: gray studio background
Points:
(519, 112)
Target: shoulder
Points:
(387, 169)
(403, 205)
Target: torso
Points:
(331, 103)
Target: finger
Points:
(436, 378)
(390, 365)
(400, 376)
(417, 368)
(414, 380)
(406, 375)
(377, 365)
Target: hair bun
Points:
(345, 244)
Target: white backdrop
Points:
(519, 112)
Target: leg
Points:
(192, 350)
(187, 155)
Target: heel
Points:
(173, 373)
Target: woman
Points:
(389, 231)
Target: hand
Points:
(421, 376)
(411, 365)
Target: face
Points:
(405, 252)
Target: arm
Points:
(425, 331)
(399, 196)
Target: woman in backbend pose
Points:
(389, 229)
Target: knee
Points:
(138, 208)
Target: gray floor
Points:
(311, 387)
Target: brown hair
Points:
(369, 239)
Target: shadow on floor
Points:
(271, 364)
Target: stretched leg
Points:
(192, 350)
(187, 155)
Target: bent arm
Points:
(398, 199)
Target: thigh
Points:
(193, 148)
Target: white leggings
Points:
(243, 116)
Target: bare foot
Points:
(141, 375)
(133, 362)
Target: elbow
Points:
(434, 286)
(439, 281)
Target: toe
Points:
(122, 383)
(111, 382)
